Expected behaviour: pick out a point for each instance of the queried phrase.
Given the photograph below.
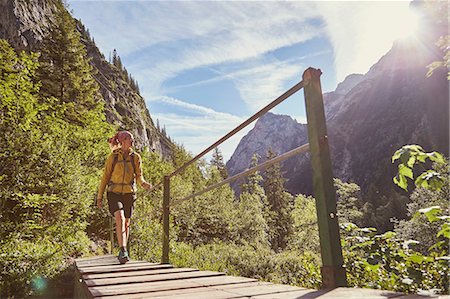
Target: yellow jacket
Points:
(122, 177)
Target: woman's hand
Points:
(147, 185)
(99, 202)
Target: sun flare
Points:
(407, 24)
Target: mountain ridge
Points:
(368, 117)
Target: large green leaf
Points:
(405, 171)
(431, 213)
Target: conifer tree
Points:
(279, 206)
(217, 161)
(114, 57)
(65, 71)
(252, 211)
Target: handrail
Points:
(333, 272)
(277, 159)
(275, 102)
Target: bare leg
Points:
(120, 228)
(127, 228)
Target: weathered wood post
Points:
(333, 272)
(165, 239)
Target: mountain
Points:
(25, 23)
(368, 117)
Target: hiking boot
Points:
(123, 256)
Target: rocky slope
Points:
(368, 118)
(24, 24)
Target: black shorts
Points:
(125, 202)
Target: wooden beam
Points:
(333, 272)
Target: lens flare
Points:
(39, 284)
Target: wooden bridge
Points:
(104, 277)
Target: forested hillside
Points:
(33, 25)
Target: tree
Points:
(349, 205)
(279, 206)
(65, 72)
(305, 232)
(252, 210)
(217, 162)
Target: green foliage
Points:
(411, 155)
(217, 161)
(279, 207)
(253, 210)
(49, 173)
(349, 203)
(65, 71)
(249, 261)
(305, 236)
(387, 262)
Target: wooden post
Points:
(165, 239)
(333, 273)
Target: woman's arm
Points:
(139, 176)
(104, 181)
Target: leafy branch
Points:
(412, 155)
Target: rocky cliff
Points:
(24, 23)
(368, 117)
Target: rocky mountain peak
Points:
(349, 82)
(279, 133)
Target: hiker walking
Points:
(123, 169)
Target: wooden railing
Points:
(333, 273)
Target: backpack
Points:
(116, 157)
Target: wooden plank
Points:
(152, 278)
(347, 293)
(265, 289)
(113, 263)
(203, 294)
(137, 273)
(122, 268)
(137, 288)
(168, 293)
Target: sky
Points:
(203, 67)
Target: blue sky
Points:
(203, 67)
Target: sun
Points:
(406, 25)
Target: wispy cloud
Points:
(199, 130)
(258, 82)
(171, 37)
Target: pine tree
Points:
(252, 211)
(114, 57)
(217, 161)
(65, 72)
(279, 206)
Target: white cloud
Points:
(171, 37)
(197, 132)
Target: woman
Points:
(123, 169)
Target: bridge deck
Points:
(104, 277)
